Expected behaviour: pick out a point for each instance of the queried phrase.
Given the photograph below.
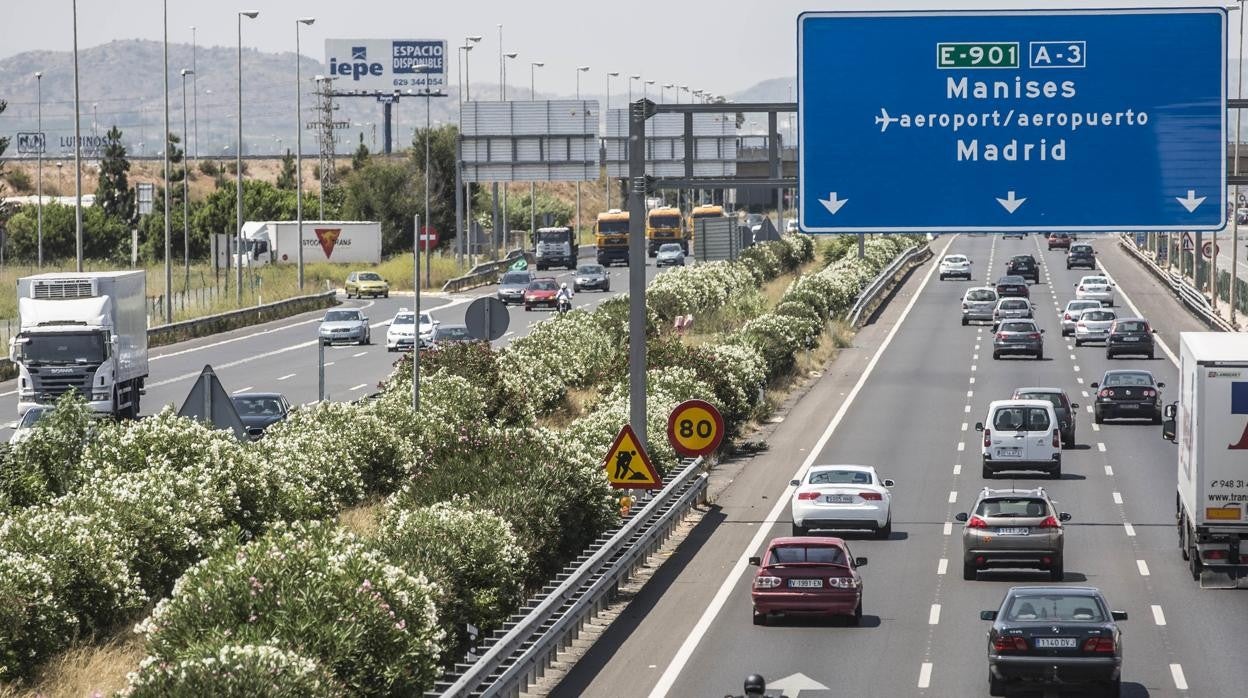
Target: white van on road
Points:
(1021, 435)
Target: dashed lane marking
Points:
(242, 390)
(953, 497)
(358, 387)
(358, 354)
(1117, 498)
(1129, 529)
(925, 674)
(1109, 470)
(948, 528)
(1100, 446)
(943, 566)
(1158, 617)
(1176, 673)
(933, 616)
(1143, 567)
(961, 445)
(288, 375)
(957, 469)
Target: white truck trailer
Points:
(84, 332)
(1209, 422)
(276, 242)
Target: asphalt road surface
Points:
(905, 399)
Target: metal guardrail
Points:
(520, 652)
(1187, 294)
(487, 273)
(883, 281)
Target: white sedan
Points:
(1095, 288)
(403, 330)
(955, 265)
(1093, 325)
(842, 497)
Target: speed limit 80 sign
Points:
(695, 428)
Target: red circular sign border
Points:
(715, 415)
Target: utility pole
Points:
(77, 152)
(39, 176)
(186, 197)
(306, 21)
(238, 167)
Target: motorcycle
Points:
(564, 305)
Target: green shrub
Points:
(235, 671)
(47, 464)
(478, 363)
(472, 554)
(34, 620)
(313, 589)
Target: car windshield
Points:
(426, 319)
(369, 276)
(516, 277)
(1056, 399)
(589, 269)
(1021, 419)
(839, 477)
(664, 221)
(553, 236)
(609, 227)
(543, 285)
(1018, 327)
(981, 295)
(815, 554)
(258, 406)
(1047, 608)
(1012, 507)
(342, 316)
(63, 348)
(33, 415)
(403, 319)
(1128, 379)
(670, 247)
(1097, 315)
(452, 333)
(1131, 326)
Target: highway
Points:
(281, 356)
(905, 398)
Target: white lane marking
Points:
(1158, 617)
(961, 445)
(358, 354)
(1070, 347)
(976, 347)
(677, 664)
(1109, 470)
(948, 528)
(970, 393)
(972, 380)
(963, 426)
(957, 469)
(1089, 407)
(925, 674)
(1143, 567)
(1079, 381)
(1073, 357)
(1160, 342)
(508, 333)
(288, 375)
(330, 363)
(933, 616)
(242, 390)
(1076, 369)
(953, 496)
(1176, 670)
(943, 566)
(1100, 446)
(1096, 427)
(1129, 529)
(972, 367)
(966, 409)
(310, 403)
(361, 385)
(974, 357)
(1117, 498)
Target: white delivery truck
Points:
(84, 332)
(1210, 425)
(276, 242)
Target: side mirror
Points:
(1170, 411)
(987, 615)
(1153, 331)
(1161, 385)
(889, 483)
(1168, 429)
(961, 517)
(756, 561)
(1118, 615)
(860, 562)
(1042, 331)
(1094, 385)
(364, 318)
(1063, 517)
(794, 483)
(979, 426)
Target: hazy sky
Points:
(721, 46)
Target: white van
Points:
(1021, 435)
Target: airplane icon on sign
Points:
(884, 120)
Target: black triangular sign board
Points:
(208, 402)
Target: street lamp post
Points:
(307, 22)
(607, 115)
(39, 167)
(631, 78)
(238, 168)
(463, 192)
(663, 92)
(77, 153)
(208, 116)
(195, 90)
(186, 198)
(164, 79)
(644, 90)
(579, 70)
(533, 66)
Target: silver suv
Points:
(1013, 529)
(978, 304)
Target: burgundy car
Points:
(1059, 241)
(807, 576)
(541, 291)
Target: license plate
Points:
(806, 583)
(1059, 643)
(1013, 531)
(1130, 406)
(838, 498)
(1009, 452)
(1135, 339)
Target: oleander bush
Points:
(34, 620)
(313, 589)
(46, 464)
(235, 671)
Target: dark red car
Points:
(807, 576)
(541, 291)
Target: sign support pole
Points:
(416, 288)
(320, 370)
(637, 114)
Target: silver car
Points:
(1018, 337)
(1093, 325)
(345, 325)
(1012, 309)
(591, 276)
(670, 254)
(978, 304)
(1015, 528)
(511, 286)
(1070, 315)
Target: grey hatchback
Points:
(511, 286)
(1018, 337)
(1015, 529)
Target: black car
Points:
(1054, 636)
(1062, 405)
(259, 411)
(1012, 286)
(1130, 335)
(1081, 255)
(1023, 265)
(1129, 394)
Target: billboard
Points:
(387, 65)
(530, 141)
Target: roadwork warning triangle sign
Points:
(628, 465)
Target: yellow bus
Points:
(611, 236)
(707, 211)
(664, 224)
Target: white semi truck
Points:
(84, 332)
(276, 242)
(1209, 422)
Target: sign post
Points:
(1012, 120)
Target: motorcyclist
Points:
(563, 299)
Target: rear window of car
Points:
(1012, 280)
(1131, 326)
(1128, 379)
(955, 259)
(1097, 315)
(1014, 304)
(820, 554)
(1012, 507)
(1055, 607)
(1018, 327)
(1021, 419)
(1080, 249)
(839, 477)
(981, 295)
(1055, 399)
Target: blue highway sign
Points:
(1066, 120)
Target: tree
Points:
(217, 214)
(388, 192)
(286, 178)
(113, 194)
(360, 158)
(442, 142)
(176, 173)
